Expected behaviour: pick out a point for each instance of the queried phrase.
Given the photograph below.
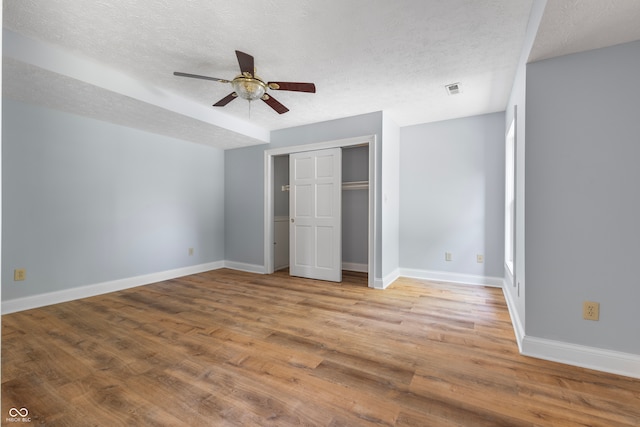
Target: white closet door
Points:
(315, 206)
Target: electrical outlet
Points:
(591, 310)
(479, 258)
(190, 251)
(19, 274)
(448, 256)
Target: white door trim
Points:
(269, 154)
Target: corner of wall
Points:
(598, 359)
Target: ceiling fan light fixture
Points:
(249, 88)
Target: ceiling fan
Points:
(251, 87)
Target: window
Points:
(509, 198)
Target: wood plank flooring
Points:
(226, 348)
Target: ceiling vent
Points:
(453, 88)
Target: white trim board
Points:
(613, 362)
(353, 266)
(346, 266)
(443, 276)
(610, 361)
(56, 297)
(87, 291)
(387, 280)
(518, 327)
(242, 266)
(598, 359)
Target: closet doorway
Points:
(357, 217)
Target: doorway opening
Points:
(359, 207)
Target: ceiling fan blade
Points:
(297, 87)
(196, 76)
(271, 102)
(227, 99)
(246, 63)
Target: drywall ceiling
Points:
(580, 25)
(38, 86)
(114, 60)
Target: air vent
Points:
(453, 88)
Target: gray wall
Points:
(452, 195)
(244, 205)
(583, 197)
(244, 181)
(86, 202)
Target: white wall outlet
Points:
(190, 251)
(448, 256)
(479, 258)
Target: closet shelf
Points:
(353, 185)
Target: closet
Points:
(355, 209)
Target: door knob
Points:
(293, 220)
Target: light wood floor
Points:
(229, 348)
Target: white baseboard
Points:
(352, 266)
(598, 359)
(557, 351)
(443, 276)
(347, 266)
(241, 266)
(518, 327)
(390, 278)
(49, 298)
(378, 283)
(384, 282)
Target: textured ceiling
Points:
(579, 25)
(363, 56)
(41, 87)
